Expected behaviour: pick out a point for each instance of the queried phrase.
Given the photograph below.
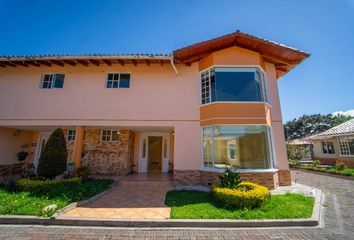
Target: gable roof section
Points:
(346, 128)
(283, 57)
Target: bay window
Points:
(242, 147)
(233, 84)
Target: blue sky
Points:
(324, 83)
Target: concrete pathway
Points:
(128, 200)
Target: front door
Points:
(42, 139)
(154, 152)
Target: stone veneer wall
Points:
(109, 158)
(206, 178)
(284, 177)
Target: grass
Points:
(202, 205)
(349, 172)
(27, 203)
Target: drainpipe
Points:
(174, 66)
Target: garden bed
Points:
(202, 205)
(347, 172)
(14, 202)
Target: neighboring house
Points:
(194, 112)
(335, 145)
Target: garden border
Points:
(323, 173)
(316, 220)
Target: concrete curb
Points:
(175, 223)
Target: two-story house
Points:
(194, 112)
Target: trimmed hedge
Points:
(29, 185)
(246, 195)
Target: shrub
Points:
(340, 166)
(29, 185)
(345, 173)
(54, 156)
(297, 152)
(246, 195)
(331, 171)
(230, 179)
(84, 172)
(317, 162)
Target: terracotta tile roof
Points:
(346, 128)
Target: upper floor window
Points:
(346, 146)
(52, 80)
(71, 134)
(109, 135)
(327, 147)
(118, 80)
(233, 84)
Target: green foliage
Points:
(340, 166)
(83, 172)
(202, 205)
(317, 162)
(54, 156)
(32, 203)
(230, 179)
(246, 195)
(312, 124)
(29, 185)
(297, 152)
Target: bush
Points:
(340, 166)
(316, 162)
(84, 172)
(29, 185)
(345, 174)
(246, 195)
(54, 156)
(331, 171)
(230, 179)
(297, 152)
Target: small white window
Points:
(71, 134)
(118, 80)
(52, 80)
(108, 135)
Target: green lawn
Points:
(202, 205)
(26, 203)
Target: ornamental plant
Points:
(54, 156)
(230, 179)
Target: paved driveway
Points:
(339, 222)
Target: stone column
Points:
(79, 141)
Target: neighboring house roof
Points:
(283, 57)
(346, 128)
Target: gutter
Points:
(174, 66)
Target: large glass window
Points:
(233, 84)
(346, 146)
(243, 147)
(327, 147)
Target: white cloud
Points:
(347, 113)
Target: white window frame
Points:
(245, 68)
(343, 143)
(229, 151)
(110, 135)
(325, 141)
(74, 135)
(272, 158)
(53, 79)
(119, 73)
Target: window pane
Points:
(124, 81)
(115, 76)
(236, 86)
(241, 147)
(109, 84)
(207, 146)
(59, 80)
(115, 84)
(115, 135)
(110, 76)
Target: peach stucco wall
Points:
(157, 99)
(13, 141)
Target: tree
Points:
(54, 156)
(311, 124)
(297, 152)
